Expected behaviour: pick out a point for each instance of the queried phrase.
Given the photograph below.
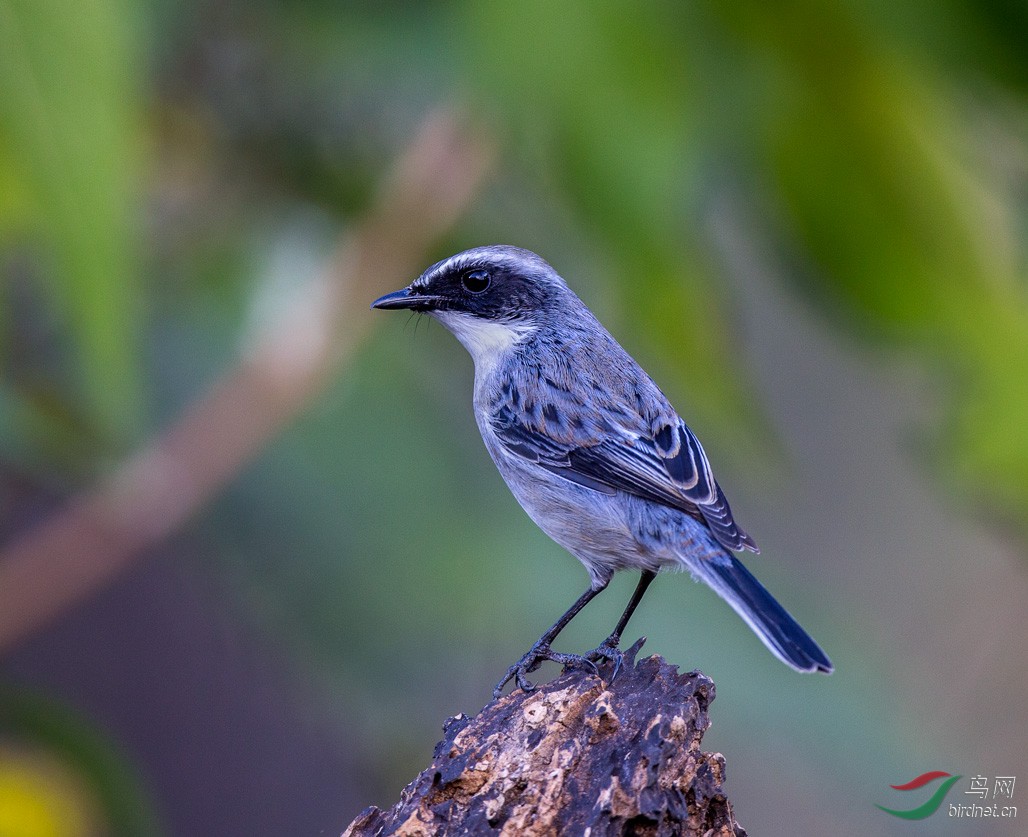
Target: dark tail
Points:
(769, 620)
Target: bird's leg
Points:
(608, 649)
(541, 651)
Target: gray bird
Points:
(591, 448)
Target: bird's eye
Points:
(475, 281)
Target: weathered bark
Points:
(576, 756)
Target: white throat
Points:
(487, 341)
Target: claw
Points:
(537, 655)
(523, 682)
(608, 650)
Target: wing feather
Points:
(668, 467)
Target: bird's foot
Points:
(536, 656)
(608, 650)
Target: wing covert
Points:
(669, 468)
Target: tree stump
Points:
(576, 756)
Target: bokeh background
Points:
(252, 550)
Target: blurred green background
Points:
(807, 221)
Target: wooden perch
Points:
(576, 756)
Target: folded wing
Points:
(668, 467)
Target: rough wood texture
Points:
(574, 757)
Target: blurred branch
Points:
(99, 533)
(576, 756)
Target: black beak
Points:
(407, 298)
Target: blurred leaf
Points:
(607, 103)
(39, 431)
(914, 237)
(39, 797)
(69, 84)
(87, 777)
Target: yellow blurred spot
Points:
(41, 796)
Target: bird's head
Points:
(498, 283)
(491, 297)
